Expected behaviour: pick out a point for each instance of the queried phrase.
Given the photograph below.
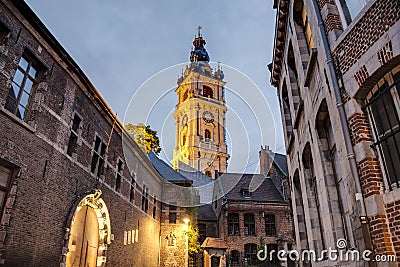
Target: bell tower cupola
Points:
(200, 139)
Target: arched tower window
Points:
(185, 95)
(207, 92)
(207, 135)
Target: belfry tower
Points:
(200, 114)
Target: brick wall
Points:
(237, 242)
(378, 19)
(50, 182)
(393, 215)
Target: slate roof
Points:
(280, 161)
(206, 213)
(165, 170)
(261, 188)
(196, 176)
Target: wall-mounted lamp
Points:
(186, 220)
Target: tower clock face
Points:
(208, 117)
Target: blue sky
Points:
(120, 44)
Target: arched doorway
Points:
(88, 233)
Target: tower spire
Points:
(199, 53)
(198, 30)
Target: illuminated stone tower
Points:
(200, 114)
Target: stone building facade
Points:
(336, 68)
(75, 188)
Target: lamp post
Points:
(186, 220)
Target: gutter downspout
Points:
(346, 132)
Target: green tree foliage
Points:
(193, 232)
(145, 137)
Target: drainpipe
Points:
(346, 132)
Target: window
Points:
(185, 95)
(207, 135)
(351, 8)
(5, 178)
(202, 232)
(99, 151)
(270, 226)
(183, 140)
(20, 92)
(249, 224)
(245, 193)
(172, 214)
(145, 199)
(73, 138)
(274, 260)
(154, 207)
(118, 180)
(301, 18)
(132, 191)
(208, 173)
(233, 224)
(384, 115)
(235, 256)
(4, 31)
(250, 251)
(207, 92)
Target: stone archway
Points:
(88, 233)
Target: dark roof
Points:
(206, 213)
(198, 178)
(260, 188)
(165, 170)
(212, 242)
(280, 161)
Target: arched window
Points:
(301, 219)
(207, 135)
(313, 199)
(330, 163)
(183, 140)
(235, 256)
(250, 251)
(185, 96)
(207, 92)
(384, 114)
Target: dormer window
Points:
(246, 193)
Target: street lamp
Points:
(186, 220)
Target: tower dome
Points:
(199, 53)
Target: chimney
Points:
(266, 157)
